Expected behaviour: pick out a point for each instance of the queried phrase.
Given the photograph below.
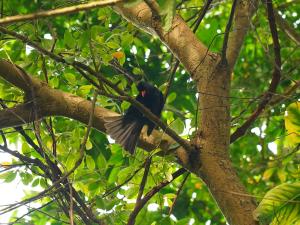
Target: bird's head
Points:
(144, 88)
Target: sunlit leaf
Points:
(8, 176)
(281, 205)
(292, 124)
(177, 125)
(90, 162)
(69, 40)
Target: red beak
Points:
(143, 93)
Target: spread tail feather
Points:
(125, 131)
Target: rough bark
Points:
(214, 135)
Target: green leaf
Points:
(93, 186)
(177, 125)
(84, 90)
(127, 40)
(35, 182)
(26, 178)
(132, 192)
(171, 97)
(69, 40)
(88, 145)
(8, 176)
(125, 105)
(124, 174)
(83, 40)
(117, 157)
(101, 161)
(69, 59)
(113, 175)
(70, 78)
(137, 71)
(281, 173)
(54, 82)
(112, 45)
(268, 173)
(90, 163)
(43, 183)
(167, 12)
(71, 160)
(292, 124)
(95, 30)
(280, 205)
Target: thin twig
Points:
(178, 192)
(40, 211)
(108, 192)
(57, 12)
(171, 79)
(3, 138)
(150, 194)
(144, 179)
(202, 14)
(228, 26)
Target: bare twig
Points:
(171, 79)
(108, 192)
(227, 30)
(71, 215)
(154, 9)
(178, 192)
(276, 99)
(3, 138)
(144, 179)
(131, 78)
(40, 211)
(1, 10)
(57, 12)
(202, 14)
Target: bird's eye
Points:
(143, 93)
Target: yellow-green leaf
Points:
(280, 206)
(90, 163)
(292, 124)
(88, 145)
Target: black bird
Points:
(126, 129)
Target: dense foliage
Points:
(268, 155)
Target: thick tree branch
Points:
(243, 14)
(53, 102)
(57, 12)
(80, 66)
